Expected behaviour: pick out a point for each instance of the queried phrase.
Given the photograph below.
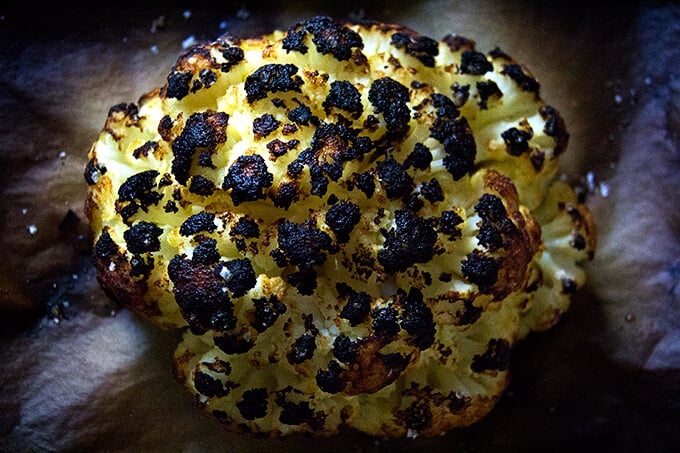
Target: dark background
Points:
(584, 384)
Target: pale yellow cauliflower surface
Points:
(354, 224)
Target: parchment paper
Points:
(79, 373)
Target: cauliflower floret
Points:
(352, 223)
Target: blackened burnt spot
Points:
(301, 115)
(233, 55)
(130, 110)
(420, 47)
(239, 276)
(412, 241)
(330, 380)
(491, 208)
(303, 280)
(489, 236)
(245, 227)
(475, 63)
(459, 145)
(417, 320)
(200, 185)
(208, 385)
(127, 211)
(357, 308)
(206, 252)
(247, 178)
(222, 417)
(279, 257)
(516, 141)
(165, 128)
(498, 53)
(285, 195)
(555, 128)
(371, 123)
(569, 286)
(394, 178)
(342, 217)
(449, 222)
(524, 80)
(395, 362)
(233, 344)
(345, 96)
(456, 42)
(143, 237)
(331, 146)
(578, 242)
(469, 314)
(385, 323)
(413, 202)
(145, 149)
(420, 158)
(199, 292)
(496, 357)
(267, 311)
(486, 91)
(295, 168)
(207, 77)
(265, 125)
(254, 404)
(105, 247)
(432, 191)
(93, 170)
(537, 160)
(390, 98)
(139, 266)
(344, 349)
(272, 78)
(444, 106)
(416, 417)
(481, 270)
(278, 148)
(330, 37)
(202, 132)
(445, 277)
(365, 182)
(203, 221)
(303, 245)
(178, 84)
(205, 159)
(460, 94)
(295, 39)
(139, 187)
(289, 128)
(296, 413)
(495, 222)
(302, 349)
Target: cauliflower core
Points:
(354, 224)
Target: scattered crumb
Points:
(188, 42)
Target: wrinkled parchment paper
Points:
(78, 373)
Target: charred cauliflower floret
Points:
(353, 223)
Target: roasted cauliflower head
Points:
(353, 224)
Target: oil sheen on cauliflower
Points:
(353, 224)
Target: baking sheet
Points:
(80, 373)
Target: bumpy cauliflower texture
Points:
(354, 224)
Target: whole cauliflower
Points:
(354, 224)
